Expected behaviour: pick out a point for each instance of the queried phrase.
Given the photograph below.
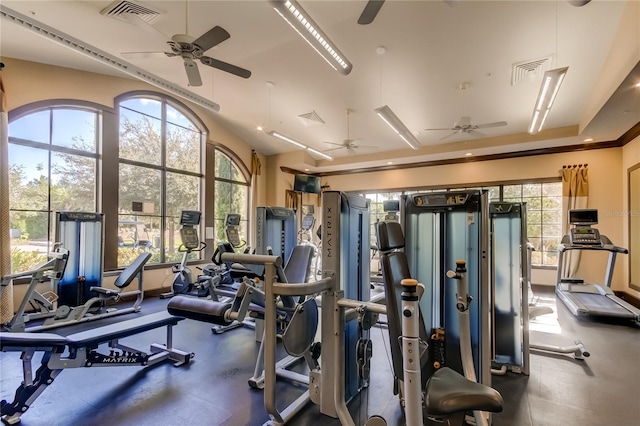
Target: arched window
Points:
(54, 153)
(160, 174)
(231, 186)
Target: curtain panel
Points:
(575, 195)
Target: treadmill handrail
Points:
(605, 247)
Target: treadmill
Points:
(589, 299)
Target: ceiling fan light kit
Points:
(551, 83)
(297, 144)
(392, 120)
(300, 20)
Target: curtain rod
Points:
(577, 166)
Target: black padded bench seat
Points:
(121, 330)
(31, 340)
(89, 338)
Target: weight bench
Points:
(81, 350)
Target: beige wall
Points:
(630, 158)
(606, 192)
(27, 82)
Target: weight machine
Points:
(511, 282)
(439, 228)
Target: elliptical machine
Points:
(183, 281)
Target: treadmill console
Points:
(585, 236)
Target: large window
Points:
(376, 207)
(231, 189)
(544, 213)
(544, 217)
(53, 166)
(160, 174)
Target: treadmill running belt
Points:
(601, 305)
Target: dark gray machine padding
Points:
(94, 337)
(395, 268)
(90, 338)
(448, 392)
(199, 309)
(31, 340)
(131, 271)
(299, 264)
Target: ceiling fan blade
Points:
(232, 69)
(441, 128)
(336, 144)
(370, 12)
(334, 149)
(487, 125)
(476, 133)
(366, 146)
(351, 150)
(214, 36)
(144, 55)
(449, 135)
(193, 75)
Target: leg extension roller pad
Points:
(199, 309)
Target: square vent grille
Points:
(526, 70)
(310, 119)
(146, 13)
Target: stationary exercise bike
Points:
(183, 281)
(228, 273)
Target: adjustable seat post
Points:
(411, 352)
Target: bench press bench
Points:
(81, 350)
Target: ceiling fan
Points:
(349, 144)
(192, 50)
(464, 125)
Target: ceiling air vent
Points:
(529, 69)
(119, 8)
(310, 119)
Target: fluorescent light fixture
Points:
(319, 154)
(548, 92)
(300, 20)
(299, 144)
(398, 126)
(287, 139)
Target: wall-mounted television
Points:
(306, 183)
(391, 206)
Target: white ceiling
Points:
(431, 48)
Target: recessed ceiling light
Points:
(468, 154)
(306, 170)
(389, 162)
(588, 140)
(259, 128)
(638, 84)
